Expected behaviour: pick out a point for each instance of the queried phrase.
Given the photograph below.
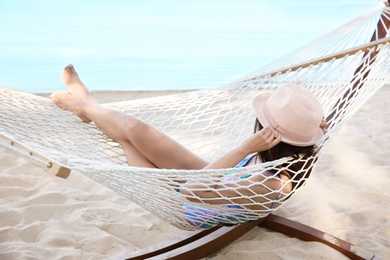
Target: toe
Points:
(71, 68)
(54, 97)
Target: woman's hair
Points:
(298, 170)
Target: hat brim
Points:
(258, 105)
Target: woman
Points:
(289, 123)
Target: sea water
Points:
(44, 75)
(155, 45)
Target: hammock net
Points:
(343, 69)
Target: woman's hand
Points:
(263, 140)
(324, 125)
(260, 141)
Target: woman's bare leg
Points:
(134, 157)
(138, 139)
(75, 86)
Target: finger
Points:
(273, 135)
(266, 129)
(271, 132)
(324, 126)
(275, 141)
(266, 132)
(276, 133)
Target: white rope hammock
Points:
(343, 69)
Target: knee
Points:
(133, 125)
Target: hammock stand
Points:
(201, 244)
(204, 243)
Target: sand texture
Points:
(348, 195)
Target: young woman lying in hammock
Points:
(289, 123)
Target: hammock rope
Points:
(341, 69)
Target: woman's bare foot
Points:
(75, 86)
(68, 102)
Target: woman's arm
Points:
(226, 193)
(260, 141)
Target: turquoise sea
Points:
(104, 73)
(156, 45)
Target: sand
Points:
(348, 195)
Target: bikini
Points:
(205, 218)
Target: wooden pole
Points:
(380, 32)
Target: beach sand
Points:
(45, 217)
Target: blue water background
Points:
(44, 75)
(156, 45)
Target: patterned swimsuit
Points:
(207, 218)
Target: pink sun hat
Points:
(293, 112)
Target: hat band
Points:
(284, 132)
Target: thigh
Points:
(162, 151)
(134, 157)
